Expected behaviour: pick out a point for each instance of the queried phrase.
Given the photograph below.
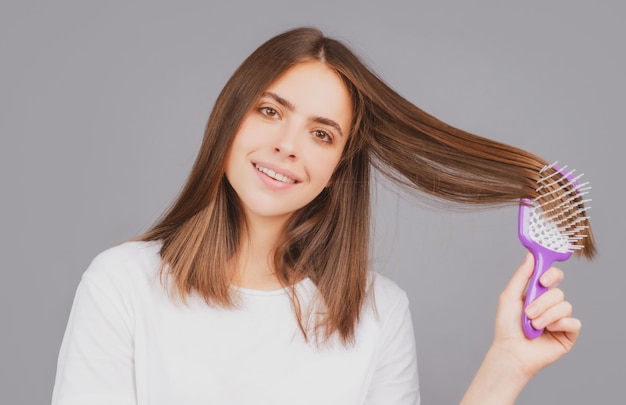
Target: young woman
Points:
(254, 288)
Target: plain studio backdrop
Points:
(103, 106)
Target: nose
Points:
(286, 144)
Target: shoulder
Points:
(125, 262)
(386, 295)
(133, 251)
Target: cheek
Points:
(238, 150)
(249, 133)
(324, 166)
(242, 138)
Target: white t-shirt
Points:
(128, 342)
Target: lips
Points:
(283, 177)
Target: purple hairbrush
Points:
(550, 227)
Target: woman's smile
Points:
(278, 174)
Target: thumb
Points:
(517, 284)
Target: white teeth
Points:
(274, 175)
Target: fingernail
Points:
(538, 323)
(531, 311)
(545, 281)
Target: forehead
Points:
(315, 89)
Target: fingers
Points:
(551, 307)
(546, 301)
(567, 325)
(549, 311)
(552, 277)
(517, 285)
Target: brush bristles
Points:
(560, 200)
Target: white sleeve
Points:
(96, 360)
(395, 380)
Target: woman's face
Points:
(289, 144)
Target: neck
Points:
(255, 258)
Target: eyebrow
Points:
(289, 105)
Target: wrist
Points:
(499, 380)
(508, 365)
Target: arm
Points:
(513, 359)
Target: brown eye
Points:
(323, 136)
(269, 112)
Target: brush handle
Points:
(543, 261)
(544, 258)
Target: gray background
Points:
(103, 106)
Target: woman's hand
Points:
(549, 311)
(514, 359)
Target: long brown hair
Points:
(327, 240)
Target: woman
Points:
(255, 286)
